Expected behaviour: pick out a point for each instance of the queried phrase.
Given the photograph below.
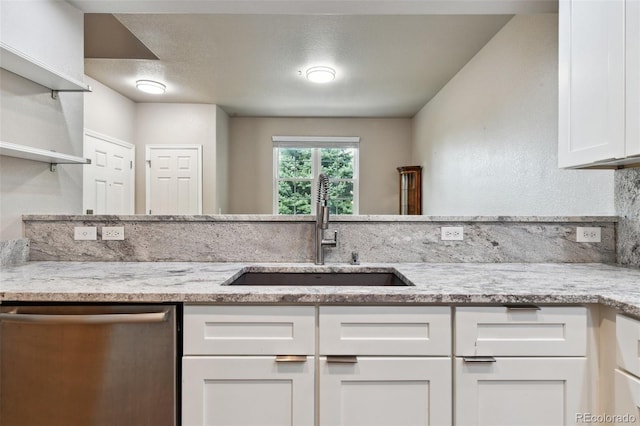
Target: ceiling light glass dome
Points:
(321, 74)
(150, 86)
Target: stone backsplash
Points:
(14, 252)
(264, 238)
(627, 199)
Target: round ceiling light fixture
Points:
(321, 74)
(150, 86)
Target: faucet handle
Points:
(354, 258)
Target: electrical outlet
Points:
(588, 235)
(452, 233)
(113, 232)
(81, 233)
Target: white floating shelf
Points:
(42, 155)
(18, 63)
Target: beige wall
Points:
(51, 32)
(222, 161)
(488, 140)
(384, 145)
(108, 112)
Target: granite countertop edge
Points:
(435, 283)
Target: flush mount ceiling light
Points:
(150, 86)
(321, 74)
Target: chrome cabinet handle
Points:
(521, 307)
(291, 358)
(472, 359)
(342, 359)
(145, 317)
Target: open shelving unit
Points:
(25, 66)
(36, 154)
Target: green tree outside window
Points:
(297, 169)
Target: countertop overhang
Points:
(435, 283)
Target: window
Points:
(297, 163)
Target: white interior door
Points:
(174, 179)
(108, 182)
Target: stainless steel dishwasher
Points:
(90, 365)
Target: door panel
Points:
(174, 179)
(108, 183)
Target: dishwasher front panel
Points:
(88, 365)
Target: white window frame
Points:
(317, 142)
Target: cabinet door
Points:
(591, 81)
(385, 391)
(628, 344)
(627, 399)
(632, 14)
(521, 392)
(247, 391)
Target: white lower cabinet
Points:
(626, 375)
(259, 366)
(247, 391)
(388, 391)
(521, 391)
(521, 366)
(384, 366)
(627, 399)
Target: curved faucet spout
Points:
(322, 207)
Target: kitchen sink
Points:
(303, 279)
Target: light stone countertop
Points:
(450, 283)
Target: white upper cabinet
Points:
(598, 83)
(632, 11)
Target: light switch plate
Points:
(82, 233)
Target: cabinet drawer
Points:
(628, 344)
(385, 330)
(502, 331)
(249, 330)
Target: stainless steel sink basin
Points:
(303, 279)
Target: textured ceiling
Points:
(250, 65)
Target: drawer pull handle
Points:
(291, 358)
(342, 359)
(478, 359)
(522, 307)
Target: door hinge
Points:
(131, 164)
(149, 211)
(149, 163)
